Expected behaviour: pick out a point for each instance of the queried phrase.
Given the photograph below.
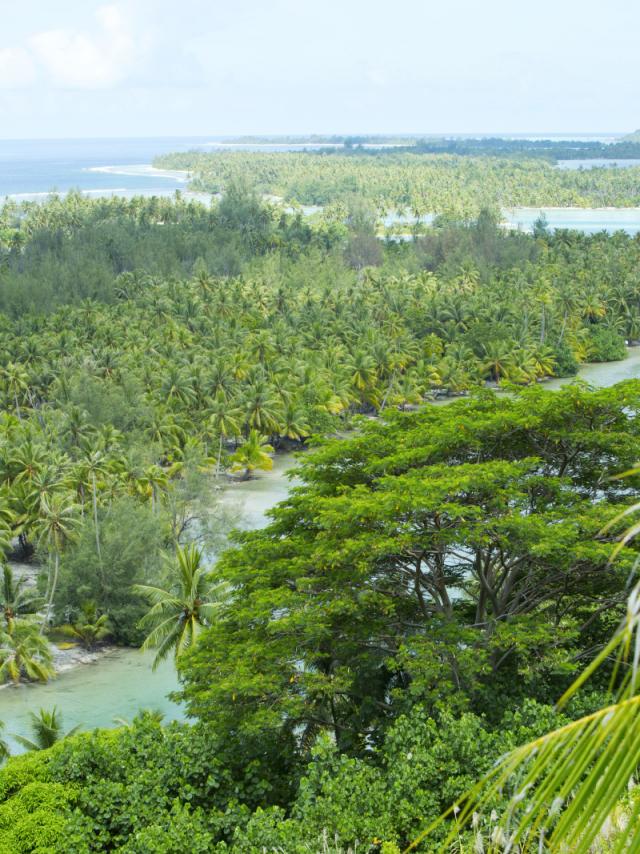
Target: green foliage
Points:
(153, 788)
(90, 627)
(182, 830)
(35, 819)
(443, 557)
(141, 784)
(33, 809)
(423, 183)
(4, 747)
(73, 249)
(574, 785)
(423, 764)
(566, 363)
(605, 345)
(16, 600)
(253, 454)
(132, 542)
(430, 583)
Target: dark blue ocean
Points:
(31, 167)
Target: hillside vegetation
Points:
(412, 611)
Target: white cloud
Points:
(17, 69)
(125, 42)
(75, 59)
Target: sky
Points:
(81, 68)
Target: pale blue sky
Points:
(74, 68)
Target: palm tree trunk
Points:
(56, 568)
(387, 393)
(564, 324)
(36, 410)
(219, 458)
(52, 583)
(95, 514)
(46, 599)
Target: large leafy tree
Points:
(450, 555)
(570, 786)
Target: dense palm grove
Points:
(453, 185)
(416, 606)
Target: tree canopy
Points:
(450, 556)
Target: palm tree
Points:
(593, 308)
(16, 383)
(56, 526)
(24, 652)
(46, 727)
(294, 424)
(152, 481)
(92, 465)
(45, 482)
(543, 360)
(149, 715)
(25, 460)
(225, 422)
(177, 386)
(179, 612)
(498, 359)
(16, 601)
(77, 426)
(89, 628)
(164, 430)
(7, 522)
(4, 747)
(262, 411)
(253, 454)
(363, 376)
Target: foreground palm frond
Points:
(46, 727)
(563, 786)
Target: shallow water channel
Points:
(121, 682)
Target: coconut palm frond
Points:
(165, 646)
(46, 726)
(156, 595)
(26, 742)
(167, 628)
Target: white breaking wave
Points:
(142, 170)
(27, 197)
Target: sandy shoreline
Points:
(572, 208)
(65, 660)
